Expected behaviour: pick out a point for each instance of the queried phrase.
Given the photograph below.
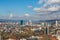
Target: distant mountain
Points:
(8, 20)
(52, 20)
(11, 20)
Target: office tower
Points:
(56, 23)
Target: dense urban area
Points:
(29, 30)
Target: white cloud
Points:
(46, 10)
(50, 9)
(50, 2)
(48, 6)
(53, 1)
(53, 8)
(11, 15)
(41, 1)
(36, 9)
(29, 6)
(27, 15)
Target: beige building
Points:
(11, 39)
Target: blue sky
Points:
(41, 9)
(16, 7)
